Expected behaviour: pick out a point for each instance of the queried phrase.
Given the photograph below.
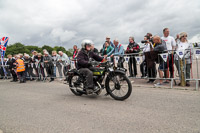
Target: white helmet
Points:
(86, 42)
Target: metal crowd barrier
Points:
(194, 72)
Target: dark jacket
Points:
(83, 58)
(39, 60)
(11, 63)
(133, 46)
(161, 48)
(27, 62)
(49, 61)
(151, 57)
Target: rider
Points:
(84, 63)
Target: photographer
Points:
(132, 49)
(150, 37)
(143, 66)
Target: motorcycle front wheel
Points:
(118, 86)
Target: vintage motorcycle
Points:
(105, 75)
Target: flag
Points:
(138, 59)
(197, 53)
(3, 45)
(180, 53)
(164, 56)
(127, 59)
(116, 59)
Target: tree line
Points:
(18, 47)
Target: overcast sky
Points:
(68, 22)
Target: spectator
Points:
(34, 55)
(150, 37)
(39, 61)
(110, 43)
(160, 46)
(6, 65)
(28, 67)
(118, 51)
(75, 52)
(107, 50)
(177, 39)
(143, 66)
(171, 45)
(184, 45)
(64, 60)
(150, 58)
(48, 65)
(44, 51)
(132, 49)
(11, 63)
(1, 70)
(20, 68)
(21, 56)
(55, 57)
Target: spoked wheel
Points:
(76, 85)
(119, 87)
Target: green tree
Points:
(16, 49)
(59, 48)
(69, 53)
(20, 48)
(36, 48)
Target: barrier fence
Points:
(145, 66)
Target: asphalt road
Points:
(37, 107)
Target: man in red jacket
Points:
(132, 49)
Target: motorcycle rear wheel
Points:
(73, 87)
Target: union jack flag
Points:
(3, 45)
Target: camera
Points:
(144, 41)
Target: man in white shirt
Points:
(171, 45)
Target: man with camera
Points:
(147, 70)
(132, 49)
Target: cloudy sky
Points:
(68, 22)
